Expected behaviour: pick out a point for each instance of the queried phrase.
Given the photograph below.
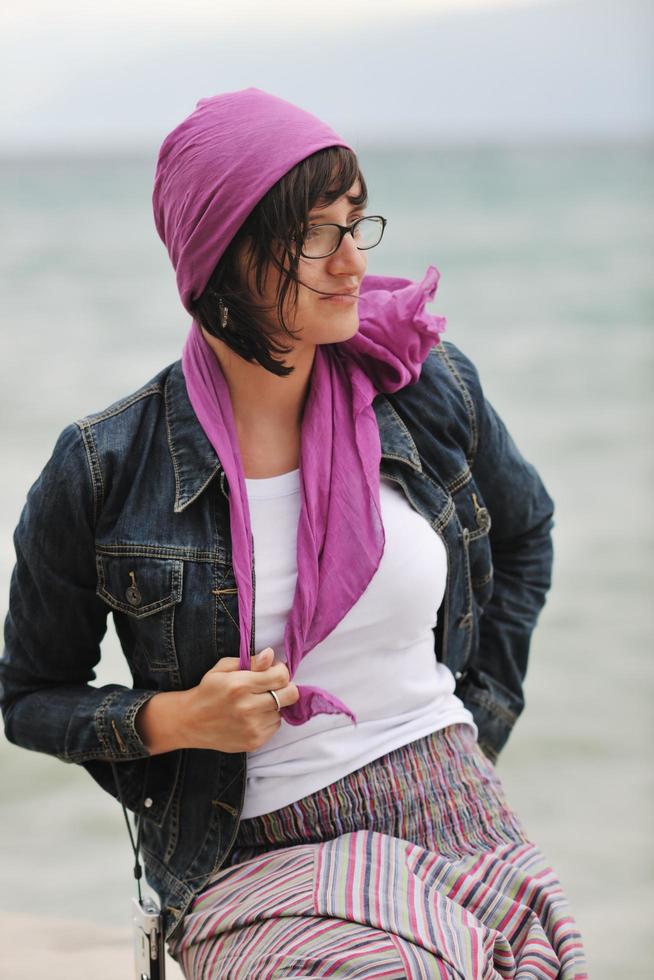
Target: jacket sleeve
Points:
(520, 535)
(55, 624)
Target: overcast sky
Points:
(86, 75)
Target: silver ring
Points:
(279, 707)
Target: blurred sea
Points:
(545, 256)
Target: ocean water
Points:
(545, 255)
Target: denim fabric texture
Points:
(130, 517)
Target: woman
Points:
(323, 802)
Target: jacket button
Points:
(147, 802)
(458, 675)
(132, 594)
(465, 535)
(483, 518)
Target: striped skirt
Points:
(414, 866)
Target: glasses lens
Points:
(320, 241)
(368, 232)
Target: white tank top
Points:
(379, 660)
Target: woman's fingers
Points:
(232, 709)
(275, 676)
(264, 675)
(270, 675)
(287, 695)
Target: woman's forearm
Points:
(160, 722)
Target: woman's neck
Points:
(267, 408)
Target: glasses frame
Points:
(343, 230)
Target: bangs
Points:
(331, 173)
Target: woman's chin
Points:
(341, 326)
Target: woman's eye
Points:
(311, 233)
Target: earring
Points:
(224, 313)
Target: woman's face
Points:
(320, 318)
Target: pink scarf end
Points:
(314, 701)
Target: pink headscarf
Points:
(212, 170)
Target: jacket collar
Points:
(396, 440)
(195, 461)
(194, 458)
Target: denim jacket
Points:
(130, 516)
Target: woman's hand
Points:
(230, 710)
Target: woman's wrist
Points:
(162, 722)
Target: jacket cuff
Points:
(115, 724)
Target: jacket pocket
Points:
(143, 592)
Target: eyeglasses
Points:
(323, 240)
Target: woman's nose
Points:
(347, 257)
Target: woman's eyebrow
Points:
(352, 201)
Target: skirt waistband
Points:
(440, 792)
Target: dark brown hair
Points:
(275, 228)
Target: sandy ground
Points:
(67, 949)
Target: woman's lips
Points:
(347, 298)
